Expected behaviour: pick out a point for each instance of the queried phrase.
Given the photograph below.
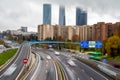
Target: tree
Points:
(117, 33)
(59, 38)
(112, 46)
(2, 42)
(48, 38)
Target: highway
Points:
(76, 70)
(13, 69)
(44, 69)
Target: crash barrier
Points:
(113, 74)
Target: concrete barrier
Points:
(110, 73)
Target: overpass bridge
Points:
(51, 42)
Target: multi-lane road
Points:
(76, 70)
(14, 68)
(45, 67)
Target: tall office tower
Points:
(46, 13)
(81, 17)
(62, 15)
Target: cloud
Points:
(17, 13)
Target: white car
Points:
(48, 57)
(70, 62)
(57, 53)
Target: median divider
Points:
(25, 67)
(29, 69)
(59, 69)
(110, 73)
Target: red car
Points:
(117, 65)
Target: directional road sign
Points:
(84, 44)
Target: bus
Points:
(95, 55)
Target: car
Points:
(57, 53)
(48, 57)
(70, 62)
(117, 64)
(51, 49)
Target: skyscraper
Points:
(81, 17)
(62, 15)
(46, 13)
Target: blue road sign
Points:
(84, 44)
(104, 60)
(98, 44)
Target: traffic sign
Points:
(104, 60)
(25, 60)
(84, 44)
(98, 44)
(92, 44)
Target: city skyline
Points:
(29, 13)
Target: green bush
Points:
(104, 57)
(117, 58)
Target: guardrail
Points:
(110, 73)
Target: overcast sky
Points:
(17, 13)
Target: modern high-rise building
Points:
(81, 17)
(46, 13)
(62, 20)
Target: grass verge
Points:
(117, 58)
(6, 55)
(114, 59)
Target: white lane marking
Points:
(39, 62)
(91, 78)
(56, 72)
(94, 70)
(78, 79)
(15, 60)
(10, 70)
(46, 71)
(70, 72)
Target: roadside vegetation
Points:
(6, 55)
(3, 43)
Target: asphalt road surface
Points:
(14, 68)
(45, 68)
(76, 70)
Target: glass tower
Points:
(46, 13)
(62, 15)
(81, 17)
